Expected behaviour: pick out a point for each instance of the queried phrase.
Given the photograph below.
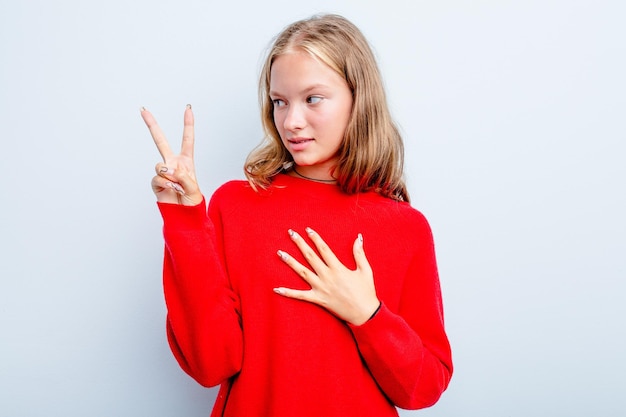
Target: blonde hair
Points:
(371, 156)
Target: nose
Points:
(294, 118)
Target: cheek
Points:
(341, 116)
(340, 123)
(277, 123)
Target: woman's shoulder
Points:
(402, 215)
(395, 206)
(232, 190)
(232, 186)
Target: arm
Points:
(408, 352)
(203, 327)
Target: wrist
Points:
(367, 313)
(192, 199)
(375, 311)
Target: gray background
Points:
(513, 116)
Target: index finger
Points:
(157, 134)
(188, 133)
(324, 250)
(309, 254)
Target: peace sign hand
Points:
(175, 181)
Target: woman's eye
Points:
(313, 99)
(278, 102)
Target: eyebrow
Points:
(305, 91)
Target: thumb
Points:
(187, 180)
(359, 254)
(187, 186)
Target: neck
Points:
(325, 180)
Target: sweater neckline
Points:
(304, 184)
(314, 189)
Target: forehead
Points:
(301, 69)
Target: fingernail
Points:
(188, 106)
(142, 108)
(360, 238)
(282, 255)
(292, 233)
(309, 230)
(176, 187)
(279, 291)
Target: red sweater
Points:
(281, 357)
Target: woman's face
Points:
(312, 106)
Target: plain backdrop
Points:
(513, 115)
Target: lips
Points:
(299, 144)
(298, 140)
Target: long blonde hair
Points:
(371, 156)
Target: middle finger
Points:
(188, 133)
(309, 254)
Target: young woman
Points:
(310, 289)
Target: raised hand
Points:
(350, 295)
(175, 180)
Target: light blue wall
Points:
(513, 114)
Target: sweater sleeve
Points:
(203, 322)
(407, 351)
